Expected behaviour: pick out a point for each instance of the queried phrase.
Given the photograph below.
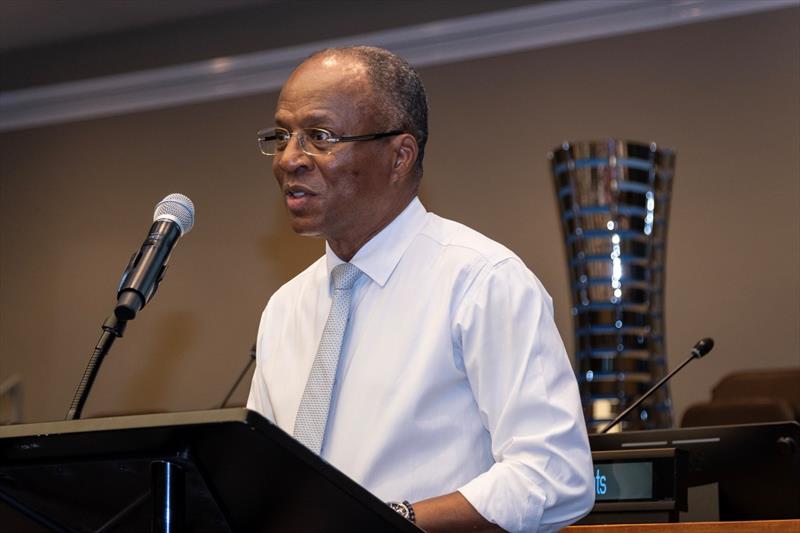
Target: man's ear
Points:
(405, 154)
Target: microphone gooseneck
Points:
(700, 349)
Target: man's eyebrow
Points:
(312, 119)
(318, 117)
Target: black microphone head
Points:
(702, 347)
(177, 208)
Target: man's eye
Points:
(282, 136)
(319, 136)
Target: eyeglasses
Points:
(313, 141)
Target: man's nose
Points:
(293, 158)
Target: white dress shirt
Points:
(452, 375)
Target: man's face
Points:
(343, 197)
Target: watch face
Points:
(401, 509)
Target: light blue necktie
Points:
(312, 415)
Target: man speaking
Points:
(417, 356)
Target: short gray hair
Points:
(398, 87)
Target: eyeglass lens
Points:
(313, 141)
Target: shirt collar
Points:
(380, 255)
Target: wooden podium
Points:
(754, 526)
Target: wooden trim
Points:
(756, 526)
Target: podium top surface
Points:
(242, 473)
(214, 416)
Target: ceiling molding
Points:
(446, 41)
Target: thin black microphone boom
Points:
(173, 218)
(241, 376)
(700, 349)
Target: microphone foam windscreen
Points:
(179, 209)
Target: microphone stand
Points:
(241, 376)
(700, 349)
(113, 327)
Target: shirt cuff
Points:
(504, 497)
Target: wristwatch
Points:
(404, 509)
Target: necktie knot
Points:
(344, 276)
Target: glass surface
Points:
(623, 481)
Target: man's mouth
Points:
(298, 191)
(298, 198)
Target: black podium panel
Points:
(757, 466)
(240, 473)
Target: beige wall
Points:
(76, 200)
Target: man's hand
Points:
(450, 513)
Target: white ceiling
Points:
(522, 28)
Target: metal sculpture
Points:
(614, 199)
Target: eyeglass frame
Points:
(334, 140)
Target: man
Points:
(452, 387)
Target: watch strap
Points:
(404, 509)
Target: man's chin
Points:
(315, 234)
(305, 229)
(304, 225)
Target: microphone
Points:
(700, 349)
(173, 218)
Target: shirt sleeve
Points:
(258, 400)
(528, 401)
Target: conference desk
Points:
(755, 526)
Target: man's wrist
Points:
(404, 509)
